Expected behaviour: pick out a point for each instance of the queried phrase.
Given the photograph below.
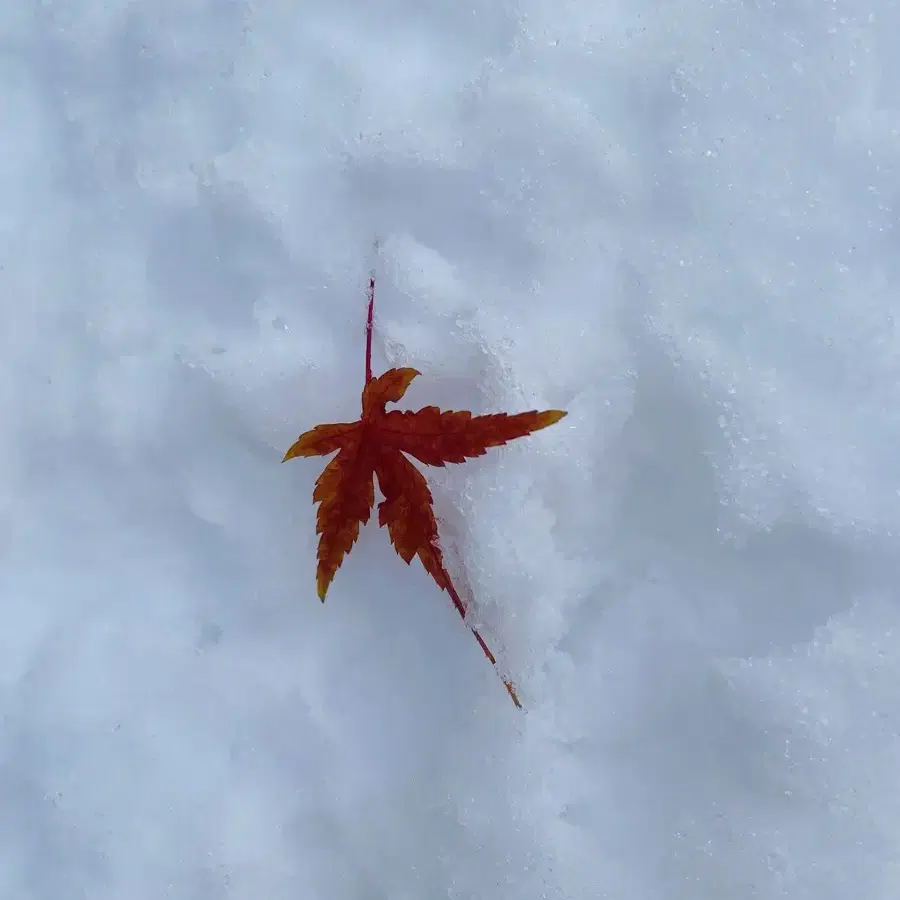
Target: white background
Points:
(673, 218)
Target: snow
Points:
(676, 221)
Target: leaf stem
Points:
(369, 320)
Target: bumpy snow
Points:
(676, 220)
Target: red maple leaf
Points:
(377, 446)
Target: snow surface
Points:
(673, 218)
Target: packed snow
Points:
(675, 220)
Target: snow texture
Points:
(676, 219)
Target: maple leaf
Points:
(377, 446)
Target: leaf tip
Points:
(551, 417)
(510, 689)
(324, 576)
(389, 387)
(397, 381)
